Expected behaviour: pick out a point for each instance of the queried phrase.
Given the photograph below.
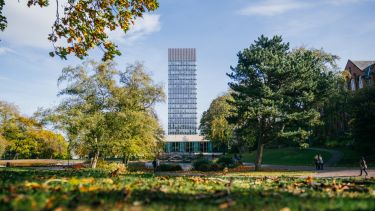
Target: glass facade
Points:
(182, 91)
(189, 147)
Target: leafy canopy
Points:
(24, 137)
(362, 123)
(84, 24)
(107, 112)
(214, 125)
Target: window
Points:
(189, 146)
(352, 84)
(203, 147)
(360, 82)
(175, 147)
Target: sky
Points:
(218, 29)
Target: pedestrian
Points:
(154, 164)
(321, 162)
(235, 158)
(363, 166)
(316, 161)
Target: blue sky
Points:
(217, 28)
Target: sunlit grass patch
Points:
(95, 189)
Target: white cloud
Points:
(342, 2)
(273, 7)
(5, 50)
(150, 23)
(3, 78)
(28, 26)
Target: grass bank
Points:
(287, 156)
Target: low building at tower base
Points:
(188, 144)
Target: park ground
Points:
(288, 182)
(87, 189)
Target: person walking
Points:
(320, 161)
(316, 161)
(363, 166)
(154, 165)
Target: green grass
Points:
(22, 189)
(287, 156)
(350, 158)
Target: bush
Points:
(169, 167)
(227, 161)
(138, 166)
(206, 165)
(111, 166)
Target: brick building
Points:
(360, 74)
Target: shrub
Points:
(227, 161)
(169, 167)
(111, 166)
(137, 166)
(206, 165)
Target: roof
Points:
(362, 65)
(184, 138)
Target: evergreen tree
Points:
(276, 91)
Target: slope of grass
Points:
(350, 158)
(287, 156)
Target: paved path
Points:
(330, 172)
(327, 172)
(340, 172)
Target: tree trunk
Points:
(258, 159)
(95, 159)
(125, 159)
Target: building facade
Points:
(360, 74)
(182, 91)
(182, 104)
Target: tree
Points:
(49, 144)
(3, 20)
(362, 123)
(84, 24)
(276, 91)
(138, 132)
(334, 110)
(214, 125)
(108, 112)
(3, 145)
(24, 137)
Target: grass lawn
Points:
(350, 158)
(22, 189)
(287, 156)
